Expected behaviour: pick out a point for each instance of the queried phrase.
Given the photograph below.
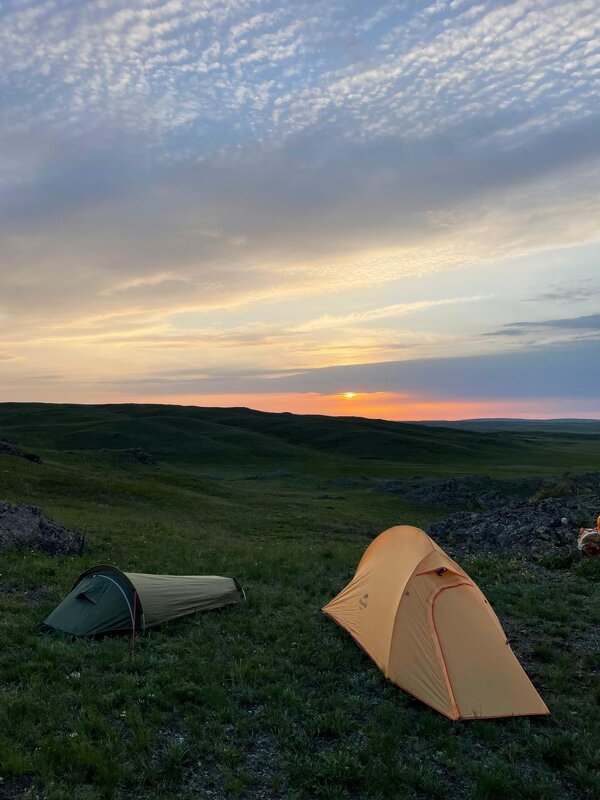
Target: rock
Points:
(32, 457)
(140, 456)
(520, 527)
(26, 528)
(481, 492)
(9, 449)
(268, 475)
(472, 491)
(348, 483)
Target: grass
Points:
(234, 438)
(269, 699)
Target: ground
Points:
(270, 699)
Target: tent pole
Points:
(133, 626)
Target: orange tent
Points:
(431, 631)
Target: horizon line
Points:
(308, 414)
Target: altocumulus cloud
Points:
(169, 157)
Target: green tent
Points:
(104, 599)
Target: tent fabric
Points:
(431, 631)
(165, 597)
(96, 604)
(104, 600)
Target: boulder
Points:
(26, 528)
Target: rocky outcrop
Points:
(140, 456)
(481, 492)
(530, 516)
(26, 528)
(9, 449)
(279, 473)
(527, 527)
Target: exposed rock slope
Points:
(26, 528)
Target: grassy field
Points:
(270, 699)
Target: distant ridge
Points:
(229, 434)
(237, 437)
(519, 425)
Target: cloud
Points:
(361, 317)
(5, 355)
(580, 291)
(588, 323)
(242, 151)
(545, 372)
(276, 229)
(211, 74)
(205, 156)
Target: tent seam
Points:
(439, 645)
(120, 588)
(389, 652)
(99, 568)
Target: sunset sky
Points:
(273, 204)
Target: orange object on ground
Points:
(588, 540)
(431, 631)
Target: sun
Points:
(348, 395)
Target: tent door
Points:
(479, 664)
(121, 590)
(101, 605)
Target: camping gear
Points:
(431, 631)
(588, 540)
(105, 600)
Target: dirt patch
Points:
(259, 757)
(588, 641)
(16, 788)
(33, 596)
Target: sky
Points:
(389, 209)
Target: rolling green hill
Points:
(236, 437)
